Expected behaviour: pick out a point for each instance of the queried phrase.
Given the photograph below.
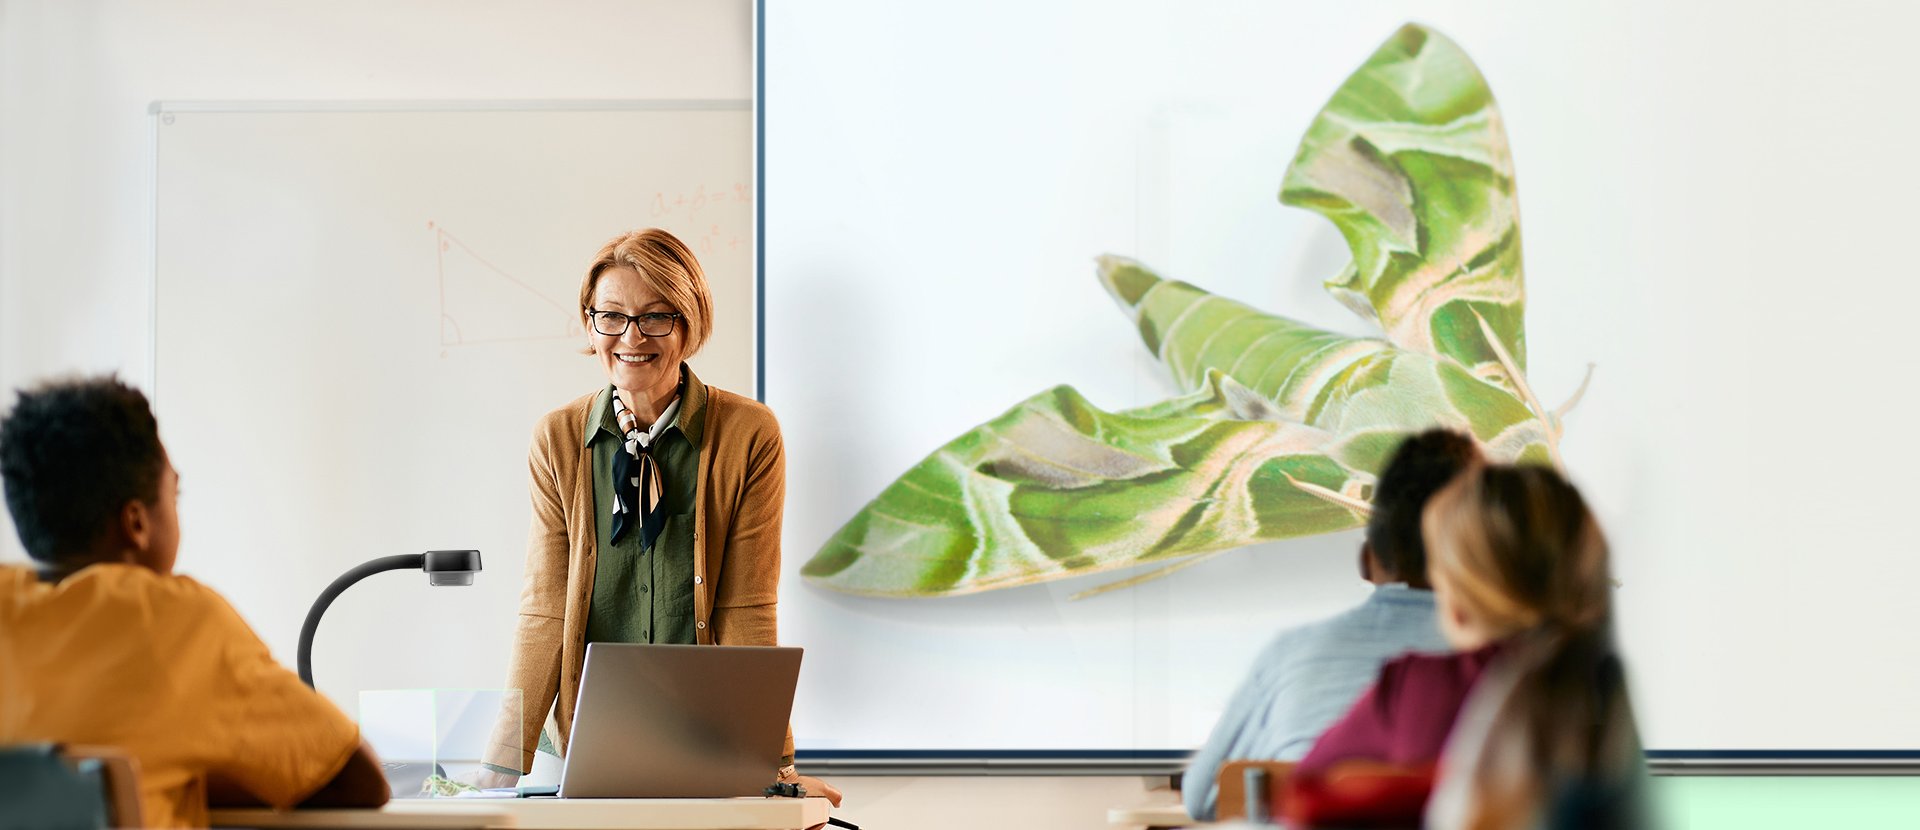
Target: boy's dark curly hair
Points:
(1422, 465)
(72, 454)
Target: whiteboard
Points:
(1702, 212)
(360, 313)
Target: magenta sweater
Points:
(1406, 717)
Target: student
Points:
(1308, 676)
(1520, 571)
(102, 645)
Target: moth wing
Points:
(1057, 487)
(1410, 161)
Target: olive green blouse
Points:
(641, 595)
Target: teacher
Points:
(656, 498)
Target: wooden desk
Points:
(1150, 816)
(423, 814)
(551, 814)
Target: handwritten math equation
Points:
(687, 207)
(714, 240)
(689, 204)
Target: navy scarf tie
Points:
(637, 489)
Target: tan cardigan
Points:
(736, 574)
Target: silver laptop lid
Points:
(659, 721)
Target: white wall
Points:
(75, 138)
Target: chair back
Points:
(82, 788)
(1232, 803)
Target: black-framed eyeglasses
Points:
(652, 324)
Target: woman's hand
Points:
(814, 786)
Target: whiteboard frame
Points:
(1155, 762)
(454, 105)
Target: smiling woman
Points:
(657, 499)
(648, 307)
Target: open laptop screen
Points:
(679, 721)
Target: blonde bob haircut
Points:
(1519, 550)
(668, 267)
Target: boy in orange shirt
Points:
(103, 645)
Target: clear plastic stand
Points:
(431, 742)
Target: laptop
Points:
(660, 721)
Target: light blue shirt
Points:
(1305, 680)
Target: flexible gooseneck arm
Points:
(406, 561)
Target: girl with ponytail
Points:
(1547, 738)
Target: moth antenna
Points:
(1359, 506)
(1149, 576)
(1577, 395)
(1526, 391)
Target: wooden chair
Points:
(120, 780)
(46, 785)
(1232, 780)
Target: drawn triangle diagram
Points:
(482, 303)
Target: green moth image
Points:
(1287, 424)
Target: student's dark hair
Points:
(1423, 464)
(72, 454)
